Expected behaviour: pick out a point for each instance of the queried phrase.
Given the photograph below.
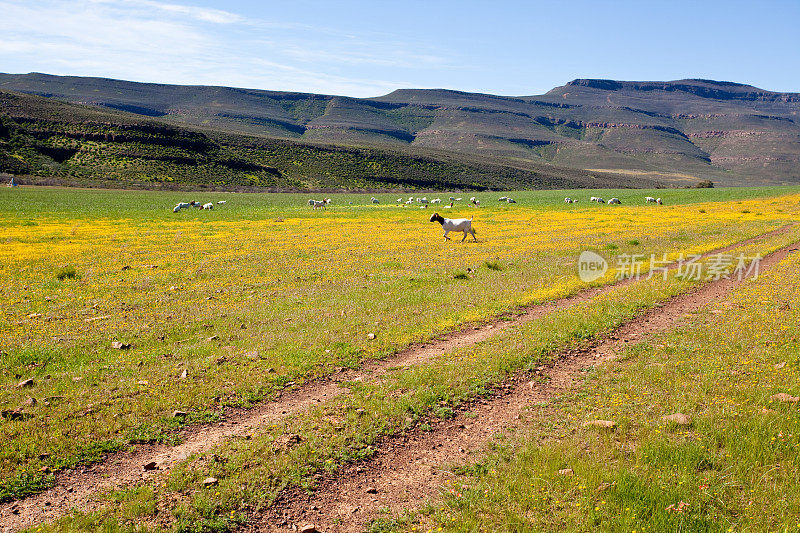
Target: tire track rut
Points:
(409, 469)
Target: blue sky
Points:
(368, 48)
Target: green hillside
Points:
(49, 141)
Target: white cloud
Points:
(168, 42)
(216, 16)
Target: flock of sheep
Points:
(474, 202)
(198, 205)
(423, 202)
(647, 199)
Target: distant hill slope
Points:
(678, 131)
(51, 141)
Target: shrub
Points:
(66, 272)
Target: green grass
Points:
(734, 468)
(30, 203)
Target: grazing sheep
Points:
(474, 201)
(375, 201)
(454, 224)
(614, 201)
(567, 200)
(209, 205)
(176, 209)
(184, 205)
(452, 199)
(502, 199)
(600, 201)
(436, 201)
(399, 200)
(593, 199)
(649, 200)
(222, 202)
(458, 199)
(574, 200)
(319, 203)
(659, 202)
(423, 200)
(511, 200)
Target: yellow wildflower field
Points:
(227, 307)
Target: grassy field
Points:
(264, 292)
(734, 468)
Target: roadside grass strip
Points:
(210, 314)
(733, 369)
(250, 472)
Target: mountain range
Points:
(587, 133)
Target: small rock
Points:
(209, 481)
(117, 345)
(213, 337)
(780, 365)
(25, 383)
(308, 528)
(43, 456)
(566, 472)
(371, 490)
(600, 423)
(678, 418)
(184, 374)
(143, 382)
(783, 397)
(371, 336)
(126, 267)
(179, 414)
(152, 465)
(765, 411)
(30, 402)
